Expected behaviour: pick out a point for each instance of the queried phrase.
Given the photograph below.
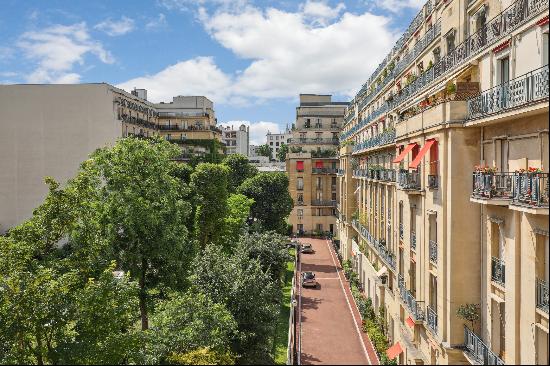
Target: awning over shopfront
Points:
(394, 351)
(421, 154)
(410, 322)
(404, 152)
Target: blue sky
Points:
(252, 58)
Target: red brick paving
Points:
(330, 334)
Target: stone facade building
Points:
(312, 163)
(443, 184)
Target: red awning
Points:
(300, 165)
(394, 351)
(410, 322)
(421, 154)
(404, 152)
(319, 164)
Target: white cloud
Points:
(396, 6)
(57, 49)
(191, 5)
(116, 27)
(156, 23)
(291, 56)
(198, 76)
(258, 130)
(6, 53)
(320, 12)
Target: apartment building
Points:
(443, 184)
(190, 121)
(312, 163)
(276, 141)
(236, 141)
(48, 130)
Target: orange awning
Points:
(404, 152)
(421, 154)
(410, 322)
(394, 351)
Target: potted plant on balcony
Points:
(469, 312)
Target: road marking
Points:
(349, 306)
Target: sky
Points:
(252, 58)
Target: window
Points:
(504, 70)
(333, 197)
(450, 38)
(277, 143)
(319, 227)
(545, 49)
(271, 143)
(300, 184)
(300, 198)
(434, 158)
(300, 166)
(300, 213)
(319, 184)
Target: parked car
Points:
(307, 248)
(293, 244)
(308, 279)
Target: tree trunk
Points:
(143, 297)
(38, 352)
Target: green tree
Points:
(281, 154)
(269, 249)
(209, 182)
(272, 201)
(264, 150)
(247, 292)
(239, 170)
(188, 322)
(235, 221)
(143, 214)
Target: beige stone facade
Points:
(312, 164)
(48, 130)
(443, 184)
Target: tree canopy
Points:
(239, 170)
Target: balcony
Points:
(409, 180)
(478, 350)
(523, 90)
(433, 252)
(492, 186)
(323, 203)
(314, 141)
(415, 307)
(542, 295)
(171, 128)
(340, 172)
(498, 271)
(401, 231)
(384, 138)
(530, 189)
(324, 171)
(413, 240)
(379, 245)
(431, 317)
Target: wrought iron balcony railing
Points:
(340, 172)
(433, 251)
(314, 140)
(415, 307)
(492, 185)
(323, 203)
(479, 350)
(324, 170)
(431, 317)
(409, 180)
(384, 138)
(385, 254)
(498, 270)
(530, 189)
(413, 240)
(522, 90)
(365, 121)
(542, 295)
(401, 231)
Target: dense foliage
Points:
(239, 170)
(140, 259)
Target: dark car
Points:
(308, 279)
(294, 244)
(307, 248)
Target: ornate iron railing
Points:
(365, 121)
(413, 240)
(492, 185)
(431, 317)
(433, 181)
(479, 350)
(530, 189)
(498, 270)
(415, 307)
(409, 180)
(324, 170)
(323, 203)
(387, 256)
(542, 295)
(384, 138)
(522, 90)
(433, 251)
(314, 140)
(401, 231)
